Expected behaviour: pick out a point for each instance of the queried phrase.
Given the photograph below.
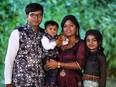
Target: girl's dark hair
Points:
(98, 37)
(50, 22)
(33, 7)
(73, 20)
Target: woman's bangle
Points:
(58, 65)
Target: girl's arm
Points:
(103, 71)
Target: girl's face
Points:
(51, 30)
(92, 43)
(69, 28)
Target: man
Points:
(23, 66)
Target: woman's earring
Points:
(77, 33)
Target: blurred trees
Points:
(98, 14)
(8, 19)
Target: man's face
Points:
(34, 18)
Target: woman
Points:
(71, 56)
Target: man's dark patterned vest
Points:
(27, 69)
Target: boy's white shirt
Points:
(51, 45)
(47, 44)
(13, 46)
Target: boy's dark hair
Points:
(50, 22)
(33, 7)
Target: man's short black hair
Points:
(50, 22)
(33, 7)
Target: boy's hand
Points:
(59, 42)
(63, 37)
(62, 40)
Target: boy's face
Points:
(34, 18)
(51, 30)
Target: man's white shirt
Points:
(13, 46)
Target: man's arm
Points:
(13, 46)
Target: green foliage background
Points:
(99, 14)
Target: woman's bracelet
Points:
(58, 65)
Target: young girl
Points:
(95, 68)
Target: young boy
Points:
(50, 50)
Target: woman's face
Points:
(92, 43)
(69, 29)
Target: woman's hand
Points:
(52, 64)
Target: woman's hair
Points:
(98, 37)
(73, 20)
(33, 7)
